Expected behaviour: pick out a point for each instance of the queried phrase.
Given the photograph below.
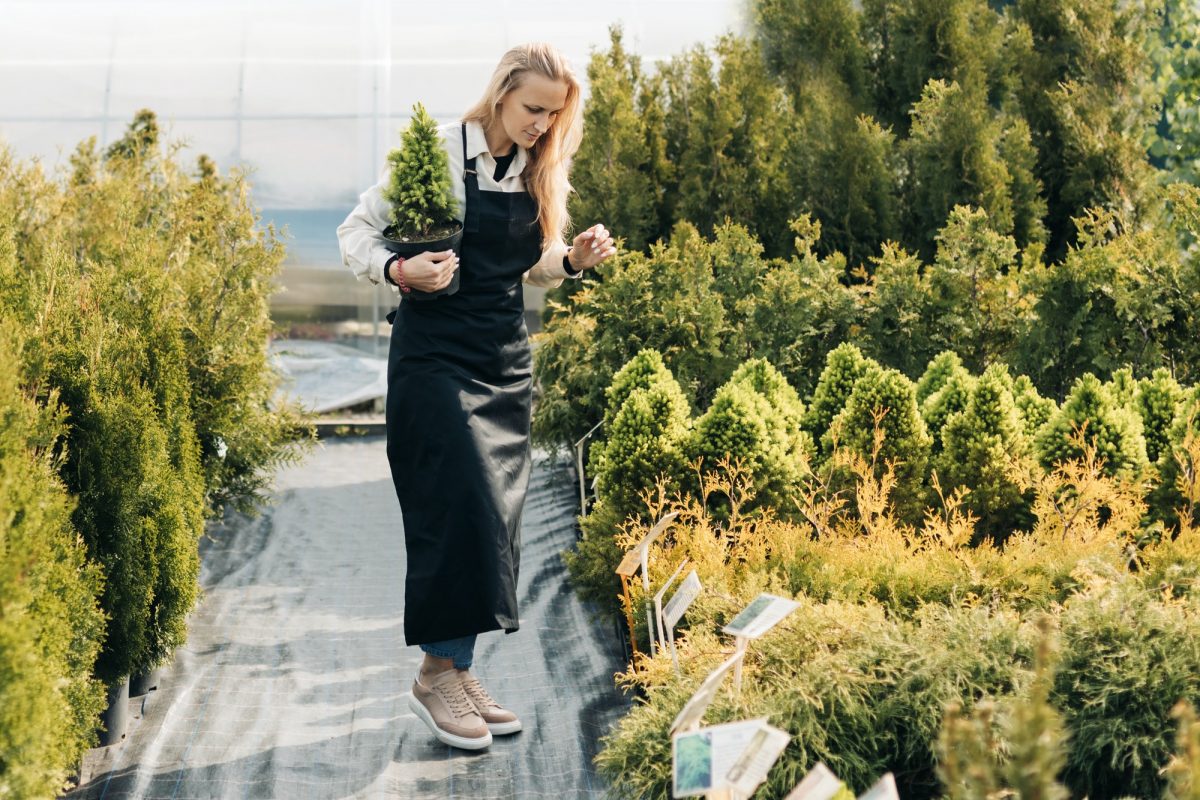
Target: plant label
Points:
(693, 710)
(702, 759)
(819, 784)
(679, 603)
(884, 789)
(756, 760)
(763, 613)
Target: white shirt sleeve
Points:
(360, 236)
(548, 271)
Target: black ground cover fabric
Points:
(295, 680)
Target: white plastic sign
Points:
(702, 759)
(683, 598)
(690, 715)
(819, 784)
(884, 789)
(763, 613)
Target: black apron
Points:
(458, 411)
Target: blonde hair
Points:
(546, 173)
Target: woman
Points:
(460, 373)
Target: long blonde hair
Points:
(546, 174)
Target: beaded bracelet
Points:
(399, 282)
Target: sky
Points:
(309, 95)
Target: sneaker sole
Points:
(504, 728)
(444, 736)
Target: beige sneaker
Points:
(449, 713)
(499, 719)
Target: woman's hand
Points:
(591, 247)
(428, 271)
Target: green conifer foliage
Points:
(758, 374)
(1175, 458)
(143, 291)
(744, 428)
(1123, 386)
(805, 41)
(1128, 658)
(985, 449)
(419, 189)
(897, 312)
(906, 442)
(1174, 143)
(645, 424)
(1113, 429)
(799, 311)
(667, 301)
(955, 158)
(1035, 409)
(50, 626)
(1071, 58)
(1158, 397)
(624, 194)
(977, 307)
(937, 373)
(844, 365)
(953, 397)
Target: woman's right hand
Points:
(428, 271)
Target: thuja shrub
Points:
(950, 398)
(742, 427)
(1035, 409)
(645, 441)
(665, 300)
(138, 201)
(880, 424)
(1091, 414)
(860, 691)
(51, 625)
(761, 376)
(844, 365)
(985, 449)
(936, 373)
(1128, 657)
(1174, 500)
(142, 289)
(1157, 399)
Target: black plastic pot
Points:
(115, 718)
(143, 682)
(408, 249)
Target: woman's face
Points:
(529, 110)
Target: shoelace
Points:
(477, 693)
(456, 698)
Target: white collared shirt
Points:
(360, 236)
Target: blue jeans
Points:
(461, 651)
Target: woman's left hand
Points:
(591, 247)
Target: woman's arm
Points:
(548, 272)
(360, 236)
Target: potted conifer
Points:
(422, 200)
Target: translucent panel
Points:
(666, 28)
(182, 32)
(51, 91)
(51, 142)
(175, 89)
(43, 31)
(311, 31)
(445, 89)
(442, 40)
(295, 88)
(308, 164)
(218, 140)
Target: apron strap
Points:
(471, 184)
